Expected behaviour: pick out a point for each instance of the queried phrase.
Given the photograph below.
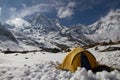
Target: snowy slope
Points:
(6, 34)
(7, 39)
(110, 58)
(107, 28)
(78, 32)
(39, 66)
(37, 33)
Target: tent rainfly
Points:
(79, 57)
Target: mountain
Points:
(107, 28)
(7, 39)
(77, 33)
(43, 32)
(44, 24)
(5, 34)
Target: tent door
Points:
(84, 62)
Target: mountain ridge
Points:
(41, 31)
(107, 28)
(45, 32)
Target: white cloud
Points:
(71, 4)
(18, 22)
(33, 9)
(67, 11)
(62, 9)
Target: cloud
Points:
(63, 9)
(43, 6)
(71, 4)
(18, 22)
(34, 9)
(26, 11)
(0, 11)
(67, 11)
(13, 12)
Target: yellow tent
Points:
(78, 57)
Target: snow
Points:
(5, 44)
(47, 71)
(108, 58)
(42, 66)
(42, 31)
(107, 28)
(33, 58)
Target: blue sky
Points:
(69, 12)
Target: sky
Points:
(69, 12)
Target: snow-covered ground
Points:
(19, 60)
(42, 66)
(111, 58)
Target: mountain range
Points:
(107, 28)
(42, 32)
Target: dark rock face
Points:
(6, 33)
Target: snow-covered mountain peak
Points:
(107, 28)
(112, 17)
(45, 24)
(39, 19)
(82, 29)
